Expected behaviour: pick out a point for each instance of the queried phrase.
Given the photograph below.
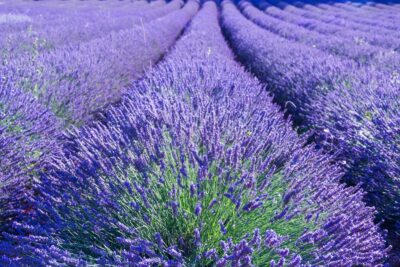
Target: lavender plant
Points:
(28, 134)
(366, 130)
(360, 131)
(55, 29)
(195, 167)
(376, 39)
(75, 82)
(381, 59)
(331, 18)
(286, 66)
(342, 13)
(27, 137)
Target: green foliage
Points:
(237, 222)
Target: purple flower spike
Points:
(197, 238)
(197, 210)
(222, 227)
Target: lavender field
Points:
(199, 133)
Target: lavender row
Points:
(27, 138)
(367, 9)
(389, 8)
(361, 18)
(360, 30)
(360, 9)
(383, 14)
(325, 93)
(385, 41)
(331, 18)
(82, 29)
(28, 133)
(381, 59)
(87, 24)
(28, 129)
(75, 82)
(195, 167)
(285, 64)
(43, 16)
(366, 14)
(373, 9)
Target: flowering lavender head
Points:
(27, 139)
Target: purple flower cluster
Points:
(195, 166)
(363, 53)
(348, 21)
(29, 127)
(367, 23)
(52, 27)
(27, 138)
(376, 38)
(352, 110)
(74, 82)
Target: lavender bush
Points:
(75, 82)
(285, 66)
(332, 18)
(360, 131)
(377, 39)
(27, 138)
(342, 13)
(76, 26)
(379, 58)
(195, 167)
(29, 130)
